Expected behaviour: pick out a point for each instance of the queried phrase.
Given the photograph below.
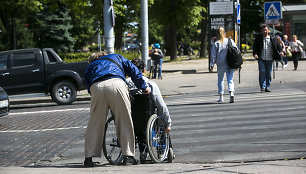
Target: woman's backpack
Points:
(234, 57)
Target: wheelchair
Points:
(149, 129)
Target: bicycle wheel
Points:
(157, 139)
(111, 146)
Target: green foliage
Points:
(79, 57)
(251, 9)
(56, 28)
(156, 33)
(74, 57)
(130, 55)
(82, 28)
(195, 45)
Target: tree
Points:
(56, 28)
(13, 15)
(175, 16)
(82, 21)
(204, 27)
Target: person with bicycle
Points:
(105, 81)
(157, 56)
(157, 102)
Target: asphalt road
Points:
(258, 126)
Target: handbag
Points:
(300, 49)
(288, 53)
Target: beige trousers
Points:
(110, 94)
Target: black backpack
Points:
(234, 57)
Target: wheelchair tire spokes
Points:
(157, 139)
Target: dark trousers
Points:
(295, 57)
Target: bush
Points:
(74, 57)
(245, 47)
(79, 57)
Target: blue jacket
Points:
(103, 69)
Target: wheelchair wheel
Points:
(111, 146)
(157, 139)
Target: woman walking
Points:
(218, 56)
(296, 47)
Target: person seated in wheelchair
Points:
(157, 103)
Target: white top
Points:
(155, 97)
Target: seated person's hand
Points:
(255, 56)
(168, 129)
(147, 91)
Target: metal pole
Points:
(108, 26)
(99, 38)
(145, 33)
(273, 60)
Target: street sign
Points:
(272, 21)
(273, 10)
(238, 14)
(220, 8)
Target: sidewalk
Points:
(265, 167)
(193, 76)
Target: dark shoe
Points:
(262, 89)
(267, 90)
(129, 160)
(232, 99)
(143, 158)
(88, 162)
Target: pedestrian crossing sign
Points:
(273, 10)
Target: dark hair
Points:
(139, 63)
(264, 26)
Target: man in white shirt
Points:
(265, 51)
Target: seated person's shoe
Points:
(88, 162)
(129, 160)
(143, 158)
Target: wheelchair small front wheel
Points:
(170, 155)
(157, 139)
(111, 146)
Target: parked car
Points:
(4, 103)
(131, 47)
(36, 70)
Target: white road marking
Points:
(42, 130)
(38, 112)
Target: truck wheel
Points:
(63, 92)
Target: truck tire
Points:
(63, 92)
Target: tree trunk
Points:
(173, 42)
(172, 33)
(13, 35)
(118, 39)
(204, 25)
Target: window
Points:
(23, 59)
(3, 61)
(51, 58)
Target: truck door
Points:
(25, 74)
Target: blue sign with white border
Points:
(273, 10)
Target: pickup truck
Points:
(36, 70)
